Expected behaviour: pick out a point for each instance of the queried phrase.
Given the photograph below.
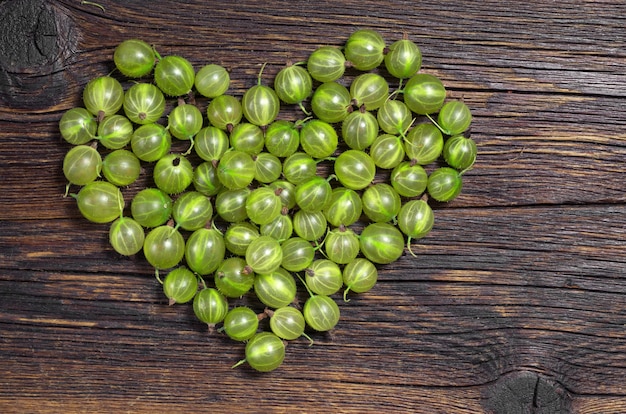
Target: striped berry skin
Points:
(355, 169)
(260, 105)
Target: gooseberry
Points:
(174, 75)
(180, 285)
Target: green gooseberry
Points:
(331, 102)
(359, 276)
(264, 352)
(126, 236)
(192, 210)
(369, 90)
(144, 103)
(241, 323)
(298, 254)
(151, 207)
(173, 173)
(205, 250)
(381, 203)
(78, 126)
(444, 184)
(460, 152)
(364, 49)
(103, 96)
(212, 80)
(403, 59)
(205, 179)
(248, 138)
(210, 306)
(121, 167)
(424, 143)
(184, 122)
(174, 75)
(267, 168)
(381, 243)
(233, 277)
(415, 220)
(341, 245)
(281, 228)
(238, 237)
(293, 84)
(359, 129)
(318, 138)
(387, 151)
(230, 205)
(151, 142)
(355, 169)
(282, 138)
(324, 277)
(287, 192)
(260, 104)
(454, 117)
(321, 313)
(164, 247)
(263, 205)
(211, 143)
(326, 64)
(236, 169)
(224, 112)
(287, 323)
(180, 285)
(264, 255)
(394, 117)
(299, 167)
(100, 202)
(424, 93)
(115, 131)
(82, 164)
(409, 179)
(344, 208)
(310, 226)
(134, 58)
(276, 289)
(313, 194)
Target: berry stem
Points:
(308, 337)
(300, 122)
(91, 3)
(394, 94)
(345, 294)
(468, 168)
(190, 146)
(261, 74)
(306, 112)
(305, 285)
(403, 133)
(437, 125)
(408, 246)
(156, 54)
(241, 362)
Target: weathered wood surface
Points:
(516, 303)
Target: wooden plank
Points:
(515, 303)
(438, 313)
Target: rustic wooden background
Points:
(516, 303)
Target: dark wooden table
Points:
(516, 302)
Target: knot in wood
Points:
(526, 392)
(34, 46)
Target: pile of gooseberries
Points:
(242, 201)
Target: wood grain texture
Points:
(515, 304)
